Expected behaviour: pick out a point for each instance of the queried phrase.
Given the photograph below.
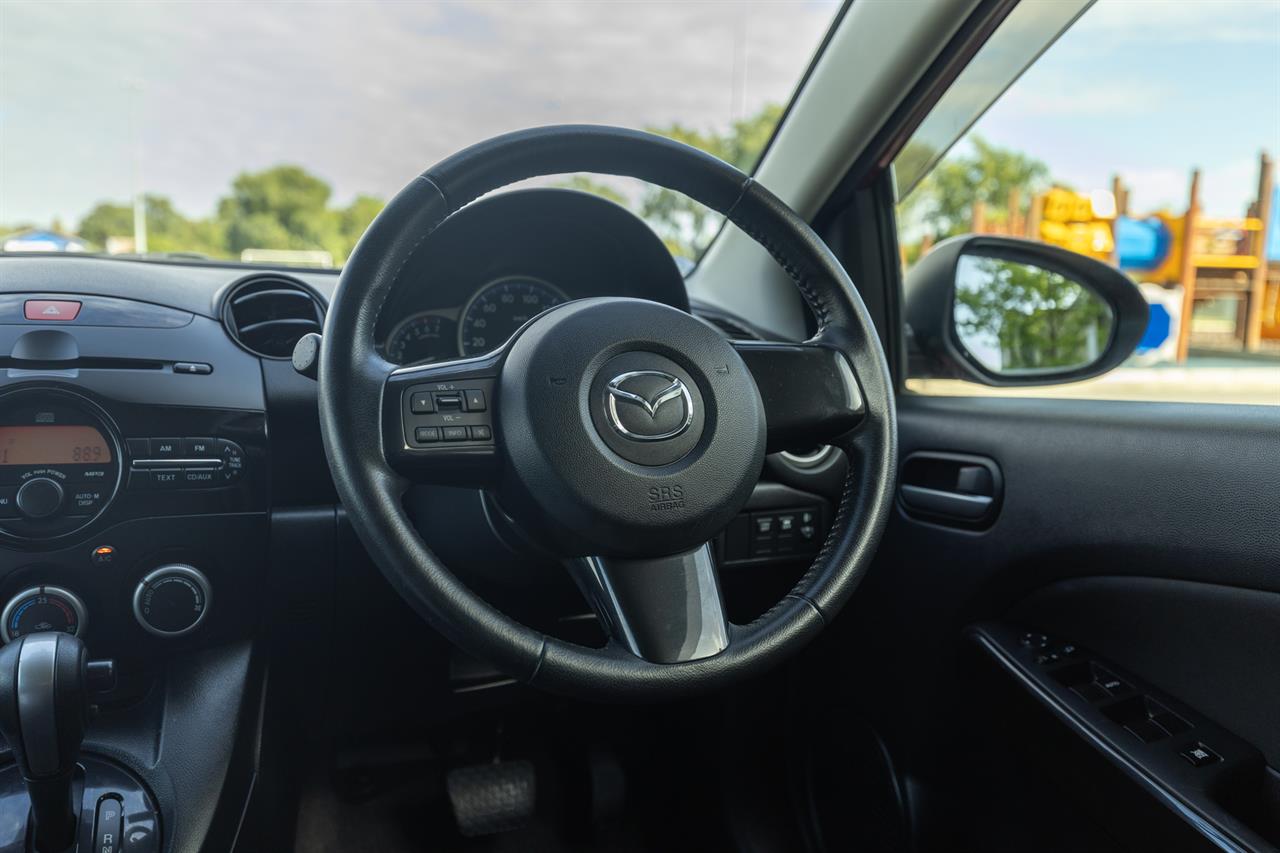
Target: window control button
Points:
(1200, 755)
(1109, 682)
(1171, 723)
(1034, 641)
(1146, 731)
(1090, 692)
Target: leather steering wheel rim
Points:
(353, 377)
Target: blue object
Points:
(1158, 325)
(1142, 244)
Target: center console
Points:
(134, 498)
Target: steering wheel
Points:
(621, 434)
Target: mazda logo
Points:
(648, 405)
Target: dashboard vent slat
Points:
(268, 314)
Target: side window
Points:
(1139, 140)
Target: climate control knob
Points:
(42, 608)
(39, 498)
(172, 600)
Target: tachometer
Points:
(496, 311)
(422, 337)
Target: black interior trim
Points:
(1183, 789)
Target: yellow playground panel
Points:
(1227, 269)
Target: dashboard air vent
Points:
(268, 314)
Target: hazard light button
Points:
(51, 309)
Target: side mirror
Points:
(1007, 311)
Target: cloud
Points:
(365, 94)
(1179, 22)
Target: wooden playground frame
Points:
(1239, 272)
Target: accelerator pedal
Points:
(490, 798)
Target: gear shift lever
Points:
(43, 710)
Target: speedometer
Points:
(422, 337)
(497, 310)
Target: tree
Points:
(284, 207)
(106, 220)
(1032, 317)
(167, 229)
(941, 204)
(685, 226)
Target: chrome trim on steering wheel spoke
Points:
(664, 609)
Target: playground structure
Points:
(1226, 271)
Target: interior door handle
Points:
(940, 502)
(950, 487)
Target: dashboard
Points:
(154, 436)
(164, 493)
(502, 260)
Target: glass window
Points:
(1139, 137)
(276, 131)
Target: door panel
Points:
(1148, 532)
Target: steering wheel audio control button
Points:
(421, 403)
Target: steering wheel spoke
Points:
(810, 392)
(661, 609)
(437, 421)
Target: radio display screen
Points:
(53, 445)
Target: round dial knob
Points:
(42, 608)
(172, 600)
(39, 498)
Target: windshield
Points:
(275, 132)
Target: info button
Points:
(51, 309)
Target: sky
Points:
(1149, 89)
(368, 94)
(364, 94)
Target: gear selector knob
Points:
(43, 710)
